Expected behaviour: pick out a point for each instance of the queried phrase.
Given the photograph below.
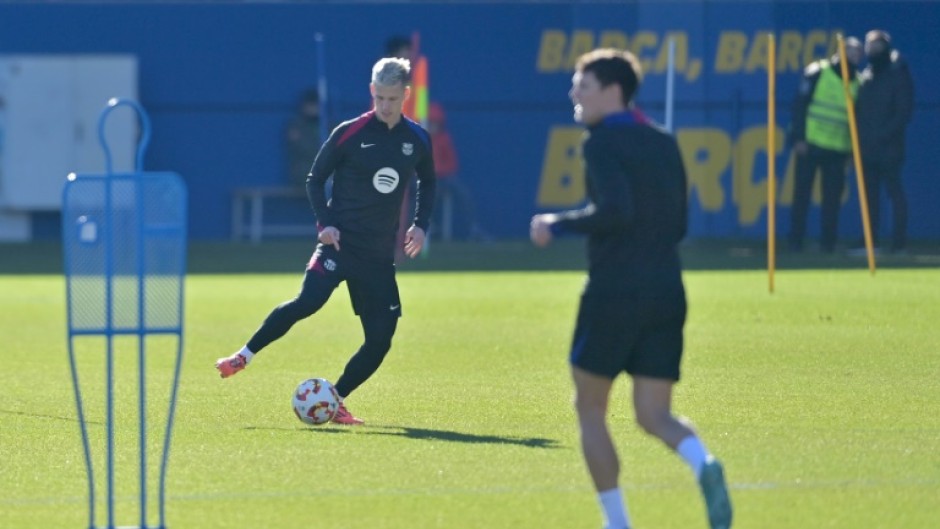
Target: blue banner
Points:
(223, 80)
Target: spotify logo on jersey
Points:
(385, 180)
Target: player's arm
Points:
(424, 203)
(612, 209)
(427, 182)
(681, 197)
(323, 167)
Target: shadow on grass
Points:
(46, 416)
(423, 434)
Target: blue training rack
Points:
(124, 243)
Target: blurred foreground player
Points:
(633, 308)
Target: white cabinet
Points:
(49, 108)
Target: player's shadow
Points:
(460, 437)
(47, 416)
(426, 434)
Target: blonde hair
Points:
(391, 71)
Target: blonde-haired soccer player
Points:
(371, 159)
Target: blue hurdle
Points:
(124, 244)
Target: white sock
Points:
(247, 354)
(615, 510)
(694, 453)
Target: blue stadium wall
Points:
(221, 81)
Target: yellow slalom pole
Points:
(857, 157)
(771, 161)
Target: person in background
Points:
(303, 138)
(819, 134)
(884, 108)
(398, 46)
(449, 185)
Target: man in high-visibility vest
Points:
(819, 134)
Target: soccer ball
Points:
(315, 401)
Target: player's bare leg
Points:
(592, 393)
(652, 401)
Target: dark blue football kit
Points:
(633, 307)
(371, 166)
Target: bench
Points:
(248, 214)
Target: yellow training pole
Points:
(857, 157)
(771, 161)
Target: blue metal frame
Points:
(109, 330)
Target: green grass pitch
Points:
(821, 399)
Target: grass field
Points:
(821, 399)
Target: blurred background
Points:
(225, 82)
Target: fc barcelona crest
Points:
(407, 148)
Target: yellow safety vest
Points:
(827, 121)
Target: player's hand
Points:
(540, 229)
(330, 235)
(414, 241)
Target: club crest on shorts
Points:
(407, 148)
(329, 264)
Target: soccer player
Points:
(371, 158)
(633, 308)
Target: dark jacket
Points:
(371, 166)
(883, 110)
(636, 185)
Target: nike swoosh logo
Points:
(366, 145)
(394, 307)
